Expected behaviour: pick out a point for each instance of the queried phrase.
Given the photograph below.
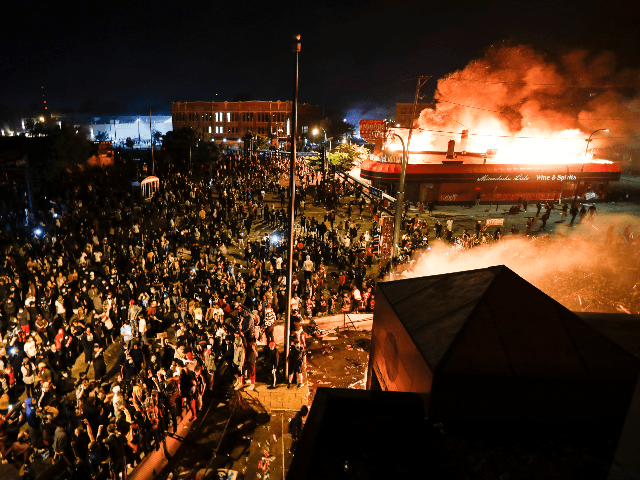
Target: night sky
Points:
(358, 57)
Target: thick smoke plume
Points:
(515, 96)
(582, 270)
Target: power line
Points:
(522, 82)
(511, 136)
(530, 116)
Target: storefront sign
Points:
(375, 192)
(503, 178)
(370, 130)
(525, 178)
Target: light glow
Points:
(519, 102)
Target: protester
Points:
(106, 284)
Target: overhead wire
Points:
(528, 116)
(505, 136)
(522, 82)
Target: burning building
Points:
(514, 124)
(463, 177)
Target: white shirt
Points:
(308, 265)
(30, 348)
(60, 307)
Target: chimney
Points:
(463, 141)
(451, 149)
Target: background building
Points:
(100, 128)
(230, 121)
(404, 113)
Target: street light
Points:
(589, 140)
(324, 150)
(399, 200)
(292, 195)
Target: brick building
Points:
(230, 121)
(404, 111)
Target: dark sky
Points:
(358, 57)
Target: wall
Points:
(394, 357)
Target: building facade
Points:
(404, 112)
(230, 121)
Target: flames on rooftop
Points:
(522, 106)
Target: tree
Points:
(129, 143)
(102, 136)
(206, 153)
(178, 144)
(316, 162)
(340, 129)
(347, 156)
(67, 149)
(260, 142)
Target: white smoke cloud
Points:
(581, 270)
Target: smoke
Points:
(582, 270)
(516, 96)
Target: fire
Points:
(529, 108)
(566, 146)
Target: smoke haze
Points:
(516, 92)
(580, 270)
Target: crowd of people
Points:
(118, 313)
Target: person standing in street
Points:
(295, 426)
(272, 359)
(295, 363)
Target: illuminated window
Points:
(209, 128)
(228, 117)
(305, 129)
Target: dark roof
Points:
(622, 328)
(381, 435)
(362, 434)
(433, 309)
(493, 322)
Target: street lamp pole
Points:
(589, 140)
(292, 194)
(324, 151)
(399, 201)
(405, 154)
(586, 150)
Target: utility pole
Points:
(153, 163)
(292, 195)
(405, 159)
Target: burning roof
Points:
(532, 109)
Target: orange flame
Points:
(530, 109)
